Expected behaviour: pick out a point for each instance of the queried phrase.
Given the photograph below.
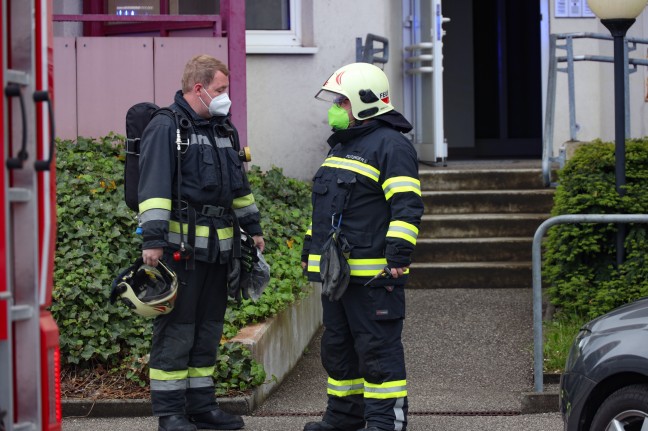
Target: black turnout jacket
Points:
(369, 186)
(213, 187)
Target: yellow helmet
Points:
(149, 291)
(365, 85)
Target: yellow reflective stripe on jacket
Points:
(155, 203)
(354, 166)
(174, 226)
(344, 388)
(154, 214)
(225, 235)
(309, 231)
(243, 201)
(366, 267)
(403, 230)
(201, 241)
(401, 185)
(244, 205)
(225, 238)
(359, 267)
(395, 389)
(156, 374)
(314, 263)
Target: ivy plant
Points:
(96, 239)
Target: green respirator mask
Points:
(338, 118)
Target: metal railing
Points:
(536, 253)
(570, 59)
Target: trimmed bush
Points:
(96, 239)
(580, 259)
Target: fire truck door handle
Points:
(13, 90)
(43, 96)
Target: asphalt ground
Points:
(469, 354)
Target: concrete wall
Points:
(594, 84)
(287, 126)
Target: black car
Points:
(605, 383)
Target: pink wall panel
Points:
(112, 75)
(65, 95)
(171, 55)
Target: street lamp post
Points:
(618, 16)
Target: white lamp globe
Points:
(617, 9)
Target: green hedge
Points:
(96, 239)
(580, 259)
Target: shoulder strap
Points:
(183, 124)
(181, 121)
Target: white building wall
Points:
(287, 126)
(594, 83)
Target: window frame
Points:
(298, 40)
(293, 41)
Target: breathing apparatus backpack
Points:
(138, 117)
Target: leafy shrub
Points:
(96, 239)
(580, 259)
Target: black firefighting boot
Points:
(175, 423)
(321, 426)
(217, 420)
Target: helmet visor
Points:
(330, 96)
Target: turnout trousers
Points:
(363, 355)
(185, 341)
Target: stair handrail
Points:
(547, 149)
(536, 270)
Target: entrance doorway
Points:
(493, 79)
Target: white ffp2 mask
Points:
(219, 105)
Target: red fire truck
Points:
(29, 356)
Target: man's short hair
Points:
(201, 69)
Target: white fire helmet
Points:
(148, 291)
(365, 85)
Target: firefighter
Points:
(368, 193)
(189, 216)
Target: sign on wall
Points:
(572, 9)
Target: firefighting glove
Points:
(233, 279)
(248, 254)
(248, 284)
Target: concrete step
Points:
(480, 225)
(436, 250)
(488, 201)
(470, 275)
(481, 179)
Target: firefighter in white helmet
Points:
(367, 199)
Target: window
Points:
(272, 26)
(276, 26)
